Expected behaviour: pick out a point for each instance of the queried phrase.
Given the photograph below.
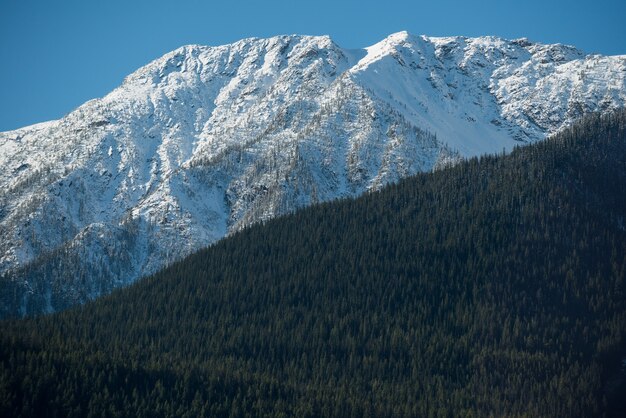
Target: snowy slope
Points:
(206, 140)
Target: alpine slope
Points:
(206, 140)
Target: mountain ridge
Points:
(205, 140)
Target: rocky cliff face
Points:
(206, 140)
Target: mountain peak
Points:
(401, 36)
(208, 139)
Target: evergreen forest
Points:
(496, 287)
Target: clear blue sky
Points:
(55, 55)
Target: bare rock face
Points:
(206, 140)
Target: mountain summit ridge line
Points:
(205, 140)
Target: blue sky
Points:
(55, 55)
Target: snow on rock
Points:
(206, 140)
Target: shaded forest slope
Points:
(495, 287)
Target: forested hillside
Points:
(493, 288)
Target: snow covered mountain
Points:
(206, 140)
